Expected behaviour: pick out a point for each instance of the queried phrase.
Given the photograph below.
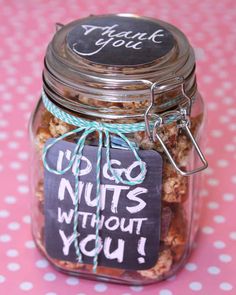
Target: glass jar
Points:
(115, 160)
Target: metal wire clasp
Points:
(180, 116)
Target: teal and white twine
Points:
(85, 127)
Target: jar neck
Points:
(120, 99)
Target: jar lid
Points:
(115, 56)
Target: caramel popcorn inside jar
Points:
(116, 155)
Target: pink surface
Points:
(26, 28)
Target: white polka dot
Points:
(23, 189)
(14, 226)
(209, 151)
(13, 145)
(3, 135)
(10, 200)
(22, 177)
(3, 123)
(233, 179)
(23, 155)
(224, 119)
(136, 288)
(15, 165)
(26, 286)
(212, 106)
(4, 213)
(195, 286)
(230, 148)
(13, 266)
(213, 270)
(222, 163)
(27, 80)
(219, 219)
(228, 197)
(51, 293)
(191, 266)
(208, 171)
(6, 107)
(12, 253)
(219, 244)
(216, 133)
(232, 235)
(213, 182)
(226, 286)
(5, 238)
(213, 205)
(225, 258)
(30, 244)
(19, 133)
(26, 219)
(203, 193)
(165, 292)
(228, 100)
(72, 281)
(2, 279)
(42, 263)
(232, 112)
(100, 287)
(207, 230)
(49, 277)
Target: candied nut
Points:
(143, 140)
(162, 266)
(58, 127)
(42, 136)
(45, 118)
(175, 186)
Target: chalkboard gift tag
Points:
(119, 41)
(129, 215)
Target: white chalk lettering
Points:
(67, 155)
(132, 195)
(64, 216)
(119, 171)
(84, 245)
(112, 223)
(67, 241)
(131, 224)
(116, 190)
(118, 39)
(118, 253)
(66, 185)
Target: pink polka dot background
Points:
(26, 28)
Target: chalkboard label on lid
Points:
(118, 40)
(129, 215)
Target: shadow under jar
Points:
(115, 160)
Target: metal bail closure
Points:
(182, 121)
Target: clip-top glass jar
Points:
(115, 159)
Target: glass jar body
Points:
(179, 195)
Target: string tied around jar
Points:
(86, 127)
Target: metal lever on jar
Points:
(184, 124)
(161, 86)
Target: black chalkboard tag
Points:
(129, 215)
(120, 40)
